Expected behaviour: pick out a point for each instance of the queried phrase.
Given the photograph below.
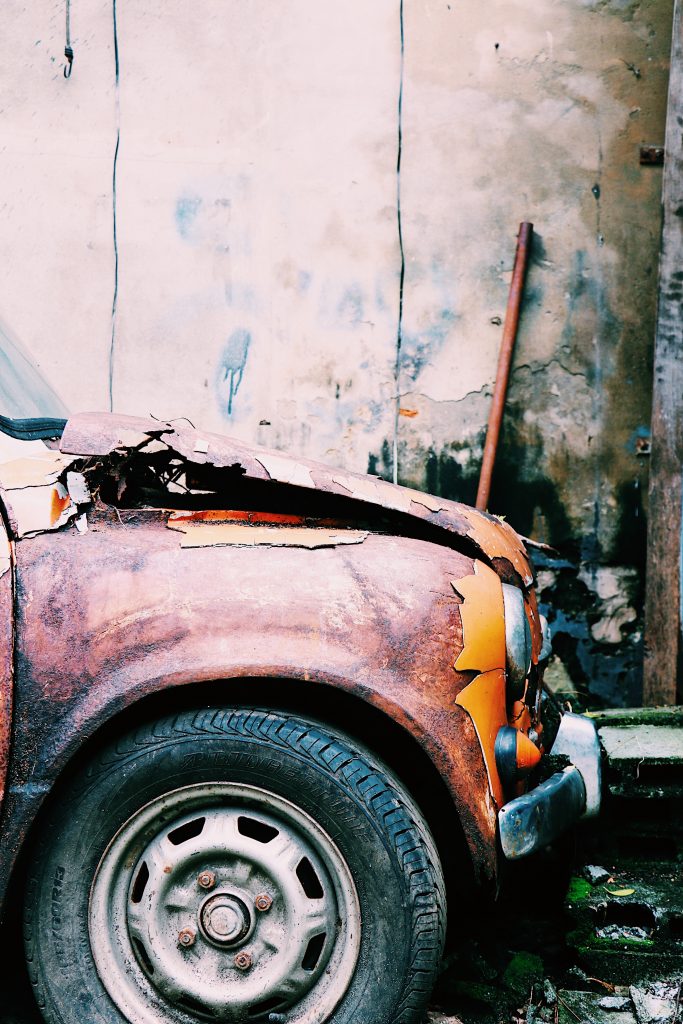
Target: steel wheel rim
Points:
(178, 932)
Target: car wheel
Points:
(234, 865)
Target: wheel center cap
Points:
(224, 919)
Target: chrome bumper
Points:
(532, 821)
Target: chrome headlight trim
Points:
(517, 639)
(547, 640)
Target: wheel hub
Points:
(224, 919)
(279, 930)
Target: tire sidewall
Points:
(85, 819)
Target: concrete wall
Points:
(260, 284)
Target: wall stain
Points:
(231, 368)
(186, 210)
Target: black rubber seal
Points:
(33, 429)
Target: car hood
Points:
(104, 434)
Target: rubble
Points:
(584, 1008)
(657, 1003)
(434, 1017)
(620, 1003)
(594, 874)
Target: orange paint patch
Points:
(520, 717)
(407, 412)
(484, 701)
(483, 621)
(217, 515)
(57, 505)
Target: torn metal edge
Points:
(100, 434)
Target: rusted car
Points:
(254, 712)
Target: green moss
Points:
(522, 972)
(579, 890)
(601, 942)
(478, 992)
(578, 936)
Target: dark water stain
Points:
(382, 465)
(448, 478)
(629, 546)
(524, 491)
(604, 675)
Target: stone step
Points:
(643, 761)
(631, 926)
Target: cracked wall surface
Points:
(316, 207)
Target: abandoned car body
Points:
(248, 706)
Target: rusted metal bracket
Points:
(652, 156)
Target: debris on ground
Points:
(434, 1017)
(595, 875)
(657, 1004)
(621, 1003)
(584, 1008)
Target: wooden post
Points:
(663, 645)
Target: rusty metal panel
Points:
(122, 611)
(102, 434)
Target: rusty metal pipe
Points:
(507, 345)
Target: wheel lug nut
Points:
(263, 901)
(243, 961)
(207, 880)
(187, 937)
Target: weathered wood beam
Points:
(663, 644)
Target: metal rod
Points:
(507, 345)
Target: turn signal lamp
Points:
(516, 755)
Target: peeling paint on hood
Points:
(40, 493)
(210, 535)
(103, 434)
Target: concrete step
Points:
(631, 927)
(644, 761)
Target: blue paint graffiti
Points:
(186, 210)
(418, 350)
(231, 368)
(350, 308)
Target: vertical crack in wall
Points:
(114, 303)
(596, 390)
(402, 274)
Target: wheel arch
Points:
(363, 722)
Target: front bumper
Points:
(532, 821)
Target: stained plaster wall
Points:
(295, 223)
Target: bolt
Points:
(263, 902)
(243, 961)
(187, 937)
(207, 880)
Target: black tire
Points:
(374, 823)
